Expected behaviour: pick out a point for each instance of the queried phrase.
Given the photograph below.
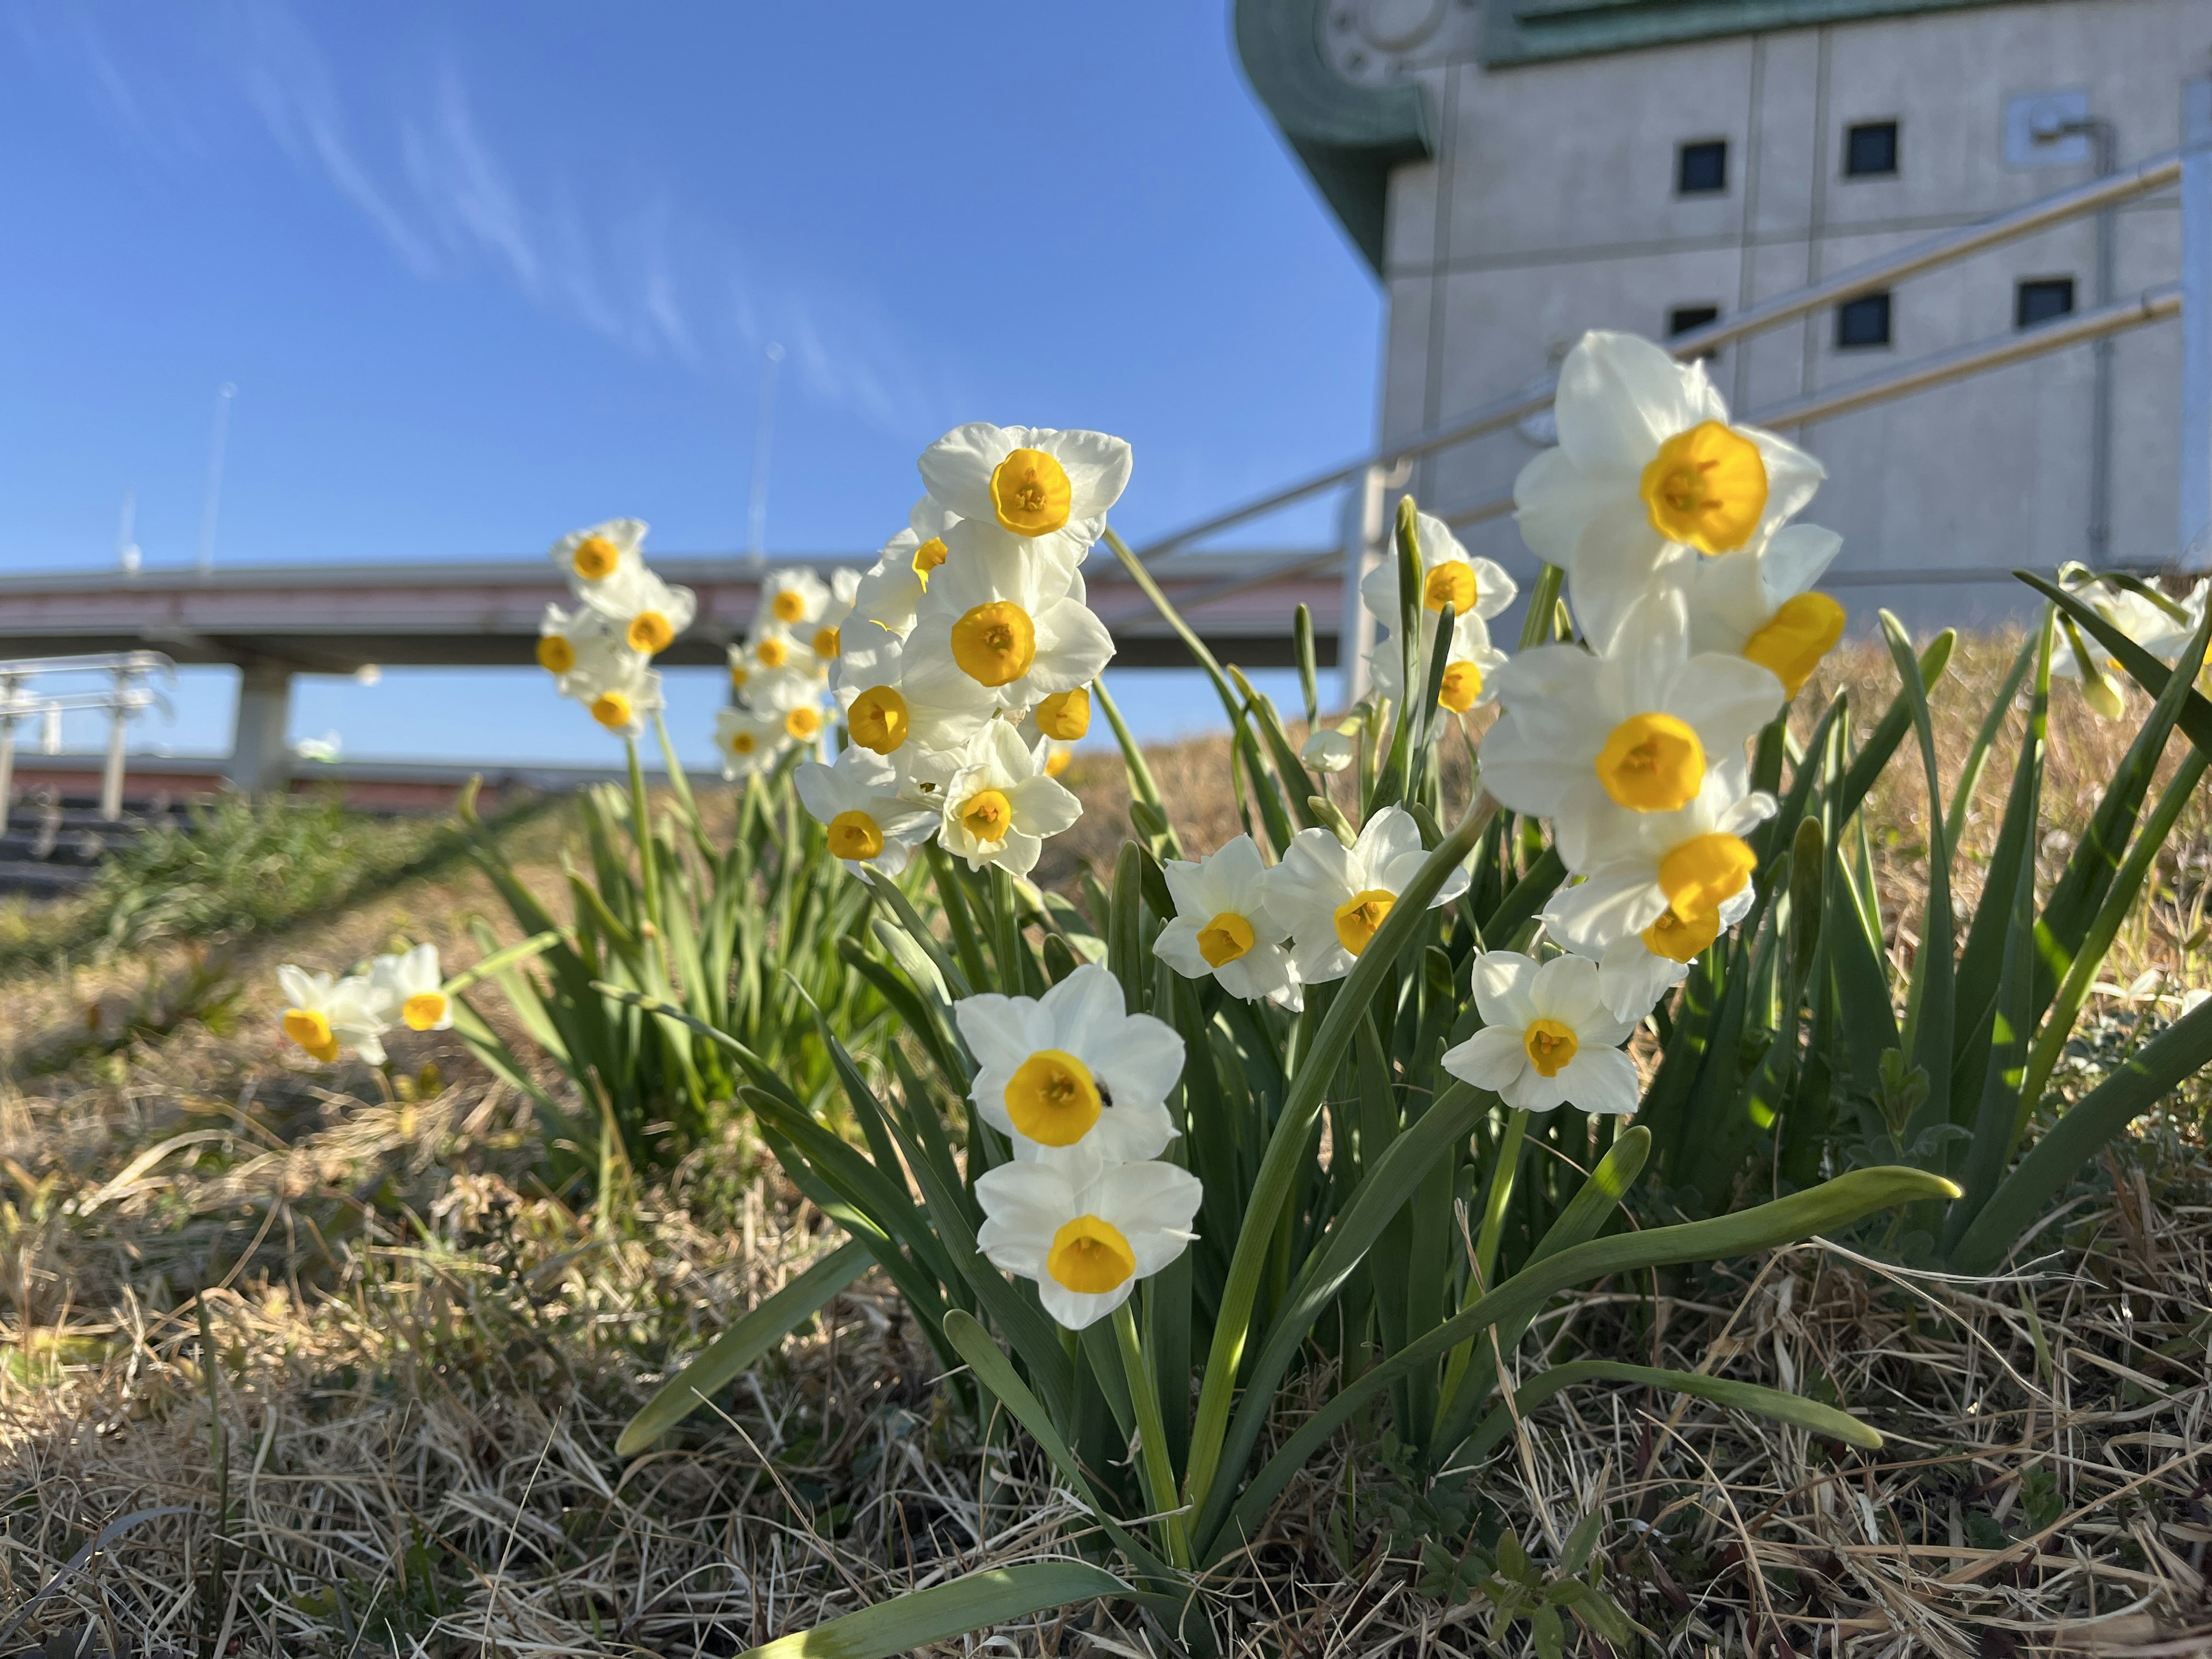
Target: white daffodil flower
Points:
(411, 984)
(793, 598)
(588, 557)
(1649, 720)
(999, 804)
(1049, 488)
(1470, 668)
(619, 691)
(1547, 1038)
(793, 699)
(895, 703)
(1333, 898)
(1450, 575)
(323, 1013)
(1648, 463)
(1223, 926)
(580, 646)
(858, 802)
(750, 743)
(1329, 749)
(1072, 1074)
(825, 637)
(648, 612)
(891, 588)
(1675, 880)
(2163, 632)
(1761, 604)
(1013, 622)
(1632, 977)
(1086, 1236)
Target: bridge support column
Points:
(259, 757)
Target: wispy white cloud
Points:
(436, 187)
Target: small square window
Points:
(1862, 322)
(1701, 169)
(1870, 150)
(1680, 320)
(2040, 299)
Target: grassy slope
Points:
(421, 1361)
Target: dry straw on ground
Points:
(419, 1363)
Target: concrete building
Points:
(1517, 171)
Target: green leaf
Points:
(1794, 1409)
(1931, 999)
(1285, 1159)
(2183, 1048)
(920, 1618)
(730, 1353)
(996, 1373)
(1889, 732)
(1785, 1221)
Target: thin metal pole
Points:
(1355, 627)
(7, 765)
(2195, 544)
(111, 776)
(2106, 139)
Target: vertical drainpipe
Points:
(2196, 542)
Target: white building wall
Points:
(1559, 214)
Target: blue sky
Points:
(482, 274)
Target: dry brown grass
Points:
(420, 1362)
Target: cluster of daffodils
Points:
(963, 657)
(1694, 596)
(601, 652)
(779, 676)
(325, 1015)
(2162, 623)
(1086, 1207)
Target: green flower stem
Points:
(1503, 1169)
(640, 825)
(1152, 1431)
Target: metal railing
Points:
(1386, 468)
(126, 696)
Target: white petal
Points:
(1503, 979)
(1602, 1081)
(1493, 1059)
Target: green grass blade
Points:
(1970, 774)
(730, 1353)
(1889, 732)
(1795, 1409)
(921, 1618)
(1930, 1001)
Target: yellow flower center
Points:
(1549, 1045)
(1462, 684)
(613, 709)
(789, 604)
(1705, 872)
(1225, 939)
(855, 835)
(738, 675)
(424, 1009)
(987, 816)
(803, 723)
(1451, 583)
(1652, 762)
(878, 718)
(649, 632)
(772, 652)
(1678, 940)
(1090, 1256)
(1065, 715)
(1706, 488)
(1053, 1098)
(1056, 760)
(1359, 916)
(927, 557)
(994, 644)
(1031, 493)
(555, 654)
(828, 642)
(595, 558)
(743, 743)
(309, 1029)
(1795, 638)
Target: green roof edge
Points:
(1348, 137)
